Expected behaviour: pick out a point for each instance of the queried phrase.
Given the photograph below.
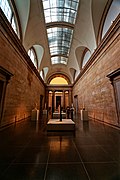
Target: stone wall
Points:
(93, 88)
(25, 86)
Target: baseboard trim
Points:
(2, 127)
(106, 123)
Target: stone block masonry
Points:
(94, 89)
(24, 88)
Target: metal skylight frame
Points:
(59, 38)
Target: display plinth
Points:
(57, 125)
(35, 115)
(84, 115)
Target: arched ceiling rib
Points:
(58, 75)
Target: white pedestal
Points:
(84, 115)
(35, 115)
(57, 125)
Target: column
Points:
(70, 97)
(53, 97)
(46, 99)
(63, 99)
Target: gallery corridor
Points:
(92, 152)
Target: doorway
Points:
(117, 97)
(1, 97)
(1, 90)
(58, 101)
(115, 81)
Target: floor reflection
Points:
(85, 126)
(37, 126)
(92, 151)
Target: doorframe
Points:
(4, 77)
(114, 77)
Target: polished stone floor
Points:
(91, 152)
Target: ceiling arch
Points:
(45, 69)
(79, 54)
(97, 10)
(85, 58)
(73, 72)
(58, 81)
(58, 75)
(39, 51)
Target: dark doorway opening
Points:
(1, 98)
(58, 101)
(1, 90)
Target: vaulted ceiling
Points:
(85, 34)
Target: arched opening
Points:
(58, 81)
(86, 57)
(11, 15)
(113, 12)
(33, 57)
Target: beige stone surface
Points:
(24, 88)
(94, 89)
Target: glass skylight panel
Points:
(59, 40)
(59, 59)
(62, 10)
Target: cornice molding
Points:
(113, 75)
(58, 87)
(6, 73)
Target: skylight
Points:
(58, 60)
(59, 38)
(60, 10)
